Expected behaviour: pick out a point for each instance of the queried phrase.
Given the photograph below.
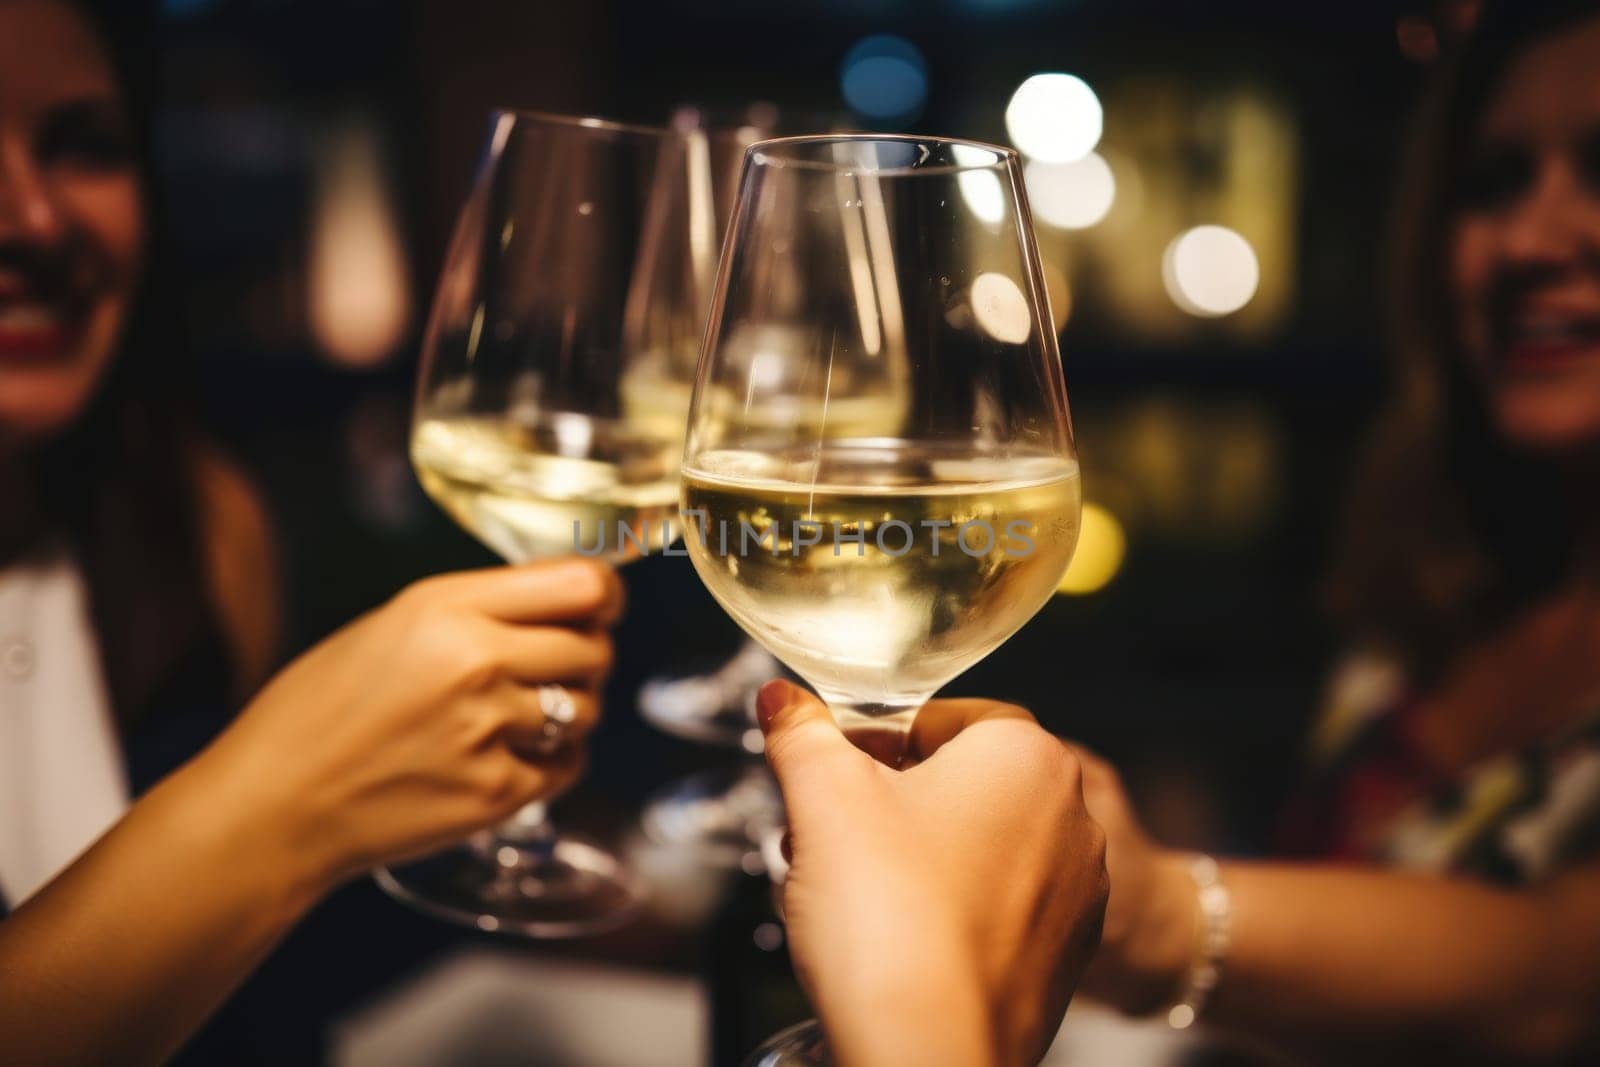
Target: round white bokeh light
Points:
(979, 184)
(1210, 271)
(1055, 118)
(1000, 309)
(1070, 196)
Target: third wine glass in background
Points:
(718, 815)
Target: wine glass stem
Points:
(529, 827)
(882, 731)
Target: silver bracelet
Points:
(1215, 920)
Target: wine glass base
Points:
(716, 708)
(729, 727)
(802, 1045)
(568, 888)
(722, 816)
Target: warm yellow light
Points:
(1060, 293)
(980, 189)
(1054, 117)
(1070, 196)
(1210, 271)
(359, 299)
(1101, 546)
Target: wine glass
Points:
(545, 425)
(719, 814)
(886, 496)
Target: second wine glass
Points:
(549, 421)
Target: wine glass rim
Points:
(774, 152)
(587, 122)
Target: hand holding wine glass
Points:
(549, 421)
(426, 715)
(906, 903)
(403, 730)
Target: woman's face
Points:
(1526, 246)
(71, 217)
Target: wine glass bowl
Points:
(581, 262)
(889, 492)
(545, 421)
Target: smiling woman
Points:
(1485, 462)
(73, 233)
(155, 847)
(1461, 737)
(1525, 243)
(98, 454)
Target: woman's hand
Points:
(1336, 964)
(1150, 930)
(940, 914)
(404, 730)
(419, 722)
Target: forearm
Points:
(121, 957)
(1324, 953)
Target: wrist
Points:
(931, 1007)
(1213, 934)
(254, 828)
(945, 1027)
(1162, 948)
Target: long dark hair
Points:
(119, 488)
(1449, 530)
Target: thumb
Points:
(799, 730)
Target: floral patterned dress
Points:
(1375, 797)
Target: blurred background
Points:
(1209, 186)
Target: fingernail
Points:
(773, 698)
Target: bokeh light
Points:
(183, 9)
(884, 77)
(1070, 196)
(980, 189)
(1210, 271)
(359, 291)
(1000, 309)
(1101, 548)
(1055, 118)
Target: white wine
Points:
(880, 569)
(760, 364)
(657, 402)
(654, 392)
(555, 486)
